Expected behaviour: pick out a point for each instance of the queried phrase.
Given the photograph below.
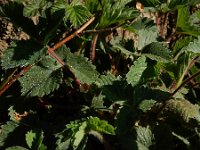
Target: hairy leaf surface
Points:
(22, 53)
(136, 70)
(42, 79)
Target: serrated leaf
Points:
(156, 51)
(144, 138)
(97, 102)
(42, 79)
(145, 37)
(16, 148)
(79, 136)
(14, 12)
(183, 25)
(180, 43)
(6, 129)
(34, 8)
(83, 69)
(94, 123)
(34, 139)
(77, 14)
(22, 53)
(146, 105)
(183, 111)
(176, 4)
(194, 46)
(59, 5)
(116, 13)
(136, 71)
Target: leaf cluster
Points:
(101, 74)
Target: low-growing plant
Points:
(101, 74)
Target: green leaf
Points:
(34, 139)
(83, 69)
(102, 126)
(180, 43)
(14, 12)
(16, 148)
(77, 14)
(183, 25)
(194, 46)
(134, 75)
(59, 5)
(6, 130)
(22, 53)
(183, 111)
(177, 4)
(146, 105)
(79, 136)
(156, 51)
(144, 138)
(34, 8)
(116, 13)
(42, 79)
(145, 37)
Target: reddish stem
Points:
(15, 77)
(92, 51)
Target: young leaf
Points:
(35, 7)
(42, 79)
(136, 70)
(34, 139)
(22, 53)
(102, 126)
(116, 13)
(144, 138)
(77, 14)
(79, 136)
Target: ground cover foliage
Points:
(101, 74)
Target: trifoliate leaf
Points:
(77, 14)
(102, 126)
(136, 71)
(144, 138)
(22, 53)
(156, 51)
(42, 79)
